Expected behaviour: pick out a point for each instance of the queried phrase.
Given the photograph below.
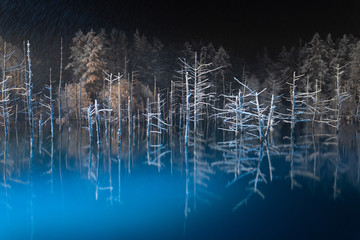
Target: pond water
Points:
(302, 187)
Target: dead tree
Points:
(48, 104)
(156, 127)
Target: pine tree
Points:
(106, 48)
(221, 59)
(274, 82)
(141, 58)
(118, 56)
(355, 76)
(329, 58)
(343, 58)
(156, 66)
(187, 52)
(207, 53)
(315, 65)
(77, 53)
(95, 62)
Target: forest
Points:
(318, 78)
(190, 120)
(125, 124)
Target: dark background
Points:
(243, 27)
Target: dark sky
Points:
(245, 27)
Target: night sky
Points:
(245, 28)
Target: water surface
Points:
(304, 187)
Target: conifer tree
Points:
(355, 75)
(314, 64)
(141, 58)
(118, 56)
(156, 66)
(95, 60)
(77, 48)
(343, 58)
(221, 59)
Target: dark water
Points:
(305, 187)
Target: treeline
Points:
(148, 67)
(317, 60)
(152, 65)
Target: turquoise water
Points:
(306, 188)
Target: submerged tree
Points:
(30, 95)
(156, 128)
(197, 91)
(60, 84)
(74, 102)
(48, 104)
(335, 109)
(9, 85)
(248, 124)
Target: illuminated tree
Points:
(77, 49)
(95, 62)
(315, 65)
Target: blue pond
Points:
(300, 187)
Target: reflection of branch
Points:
(240, 177)
(243, 201)
(156, 161)
(269, 162)
(252, 123)
(156, 126)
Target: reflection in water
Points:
(156, 129)
(119, 172)
(202, 172)
(5, 185)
